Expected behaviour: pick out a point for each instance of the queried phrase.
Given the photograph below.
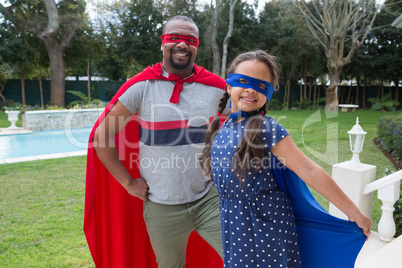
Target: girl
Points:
(257, 218)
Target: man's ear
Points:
(161, 47)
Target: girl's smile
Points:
(248, 99)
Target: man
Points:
(154, 157)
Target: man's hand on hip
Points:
(138, 188)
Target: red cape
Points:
(113, 222)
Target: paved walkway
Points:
(41, 157)
(20, 130)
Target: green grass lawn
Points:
(41, 214)
(42, 202)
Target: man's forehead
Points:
(181, 27)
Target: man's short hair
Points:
(179, 17)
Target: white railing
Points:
(388, 192)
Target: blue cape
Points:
(325, 241)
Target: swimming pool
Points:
(44, 143)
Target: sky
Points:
(261, 3)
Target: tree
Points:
(214, 35)
(224, 14)
(140, 36)
(284, 35)
(55, 25)
(3, 80)
(227, 37)
(169, 8)
(333, 23)
(85, 47)
(16, 49)
(384, 44)
(107, 24)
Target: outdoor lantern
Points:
(356, 138)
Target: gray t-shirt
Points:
(172, 137)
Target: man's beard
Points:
(179, 66)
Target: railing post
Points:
(388, 195)
(352, 181)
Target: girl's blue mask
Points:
(233, 80)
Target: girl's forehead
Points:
(254, 68)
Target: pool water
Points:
(44, 142)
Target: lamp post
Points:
(356, 139)
(353, 176)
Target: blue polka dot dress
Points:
(257, 219)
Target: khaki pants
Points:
(169, 227)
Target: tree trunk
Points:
(396, 90)
(301, 95)
(349, 93)
(40, 83)
(332, 91)
(286, 95)
(57, 72)
(364, 93)
(304, 73)
(1, 95)
(214, 42)
(287, 90)
(89, 77)
(357, 91)
(315, 92)
(227, 37)
(22, 85)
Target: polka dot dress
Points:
(257, 219)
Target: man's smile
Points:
(180, 53)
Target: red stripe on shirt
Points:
(166, 124)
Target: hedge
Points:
(389, 134)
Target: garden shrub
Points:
(274, 104)
(321, 101)
(6, 103)
(84, 101)
(305, 104)
(389, 134)
(384, 104)
(315, 107)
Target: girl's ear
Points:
(228, 89)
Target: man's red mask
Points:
(176, 38)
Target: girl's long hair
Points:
(250, 148)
